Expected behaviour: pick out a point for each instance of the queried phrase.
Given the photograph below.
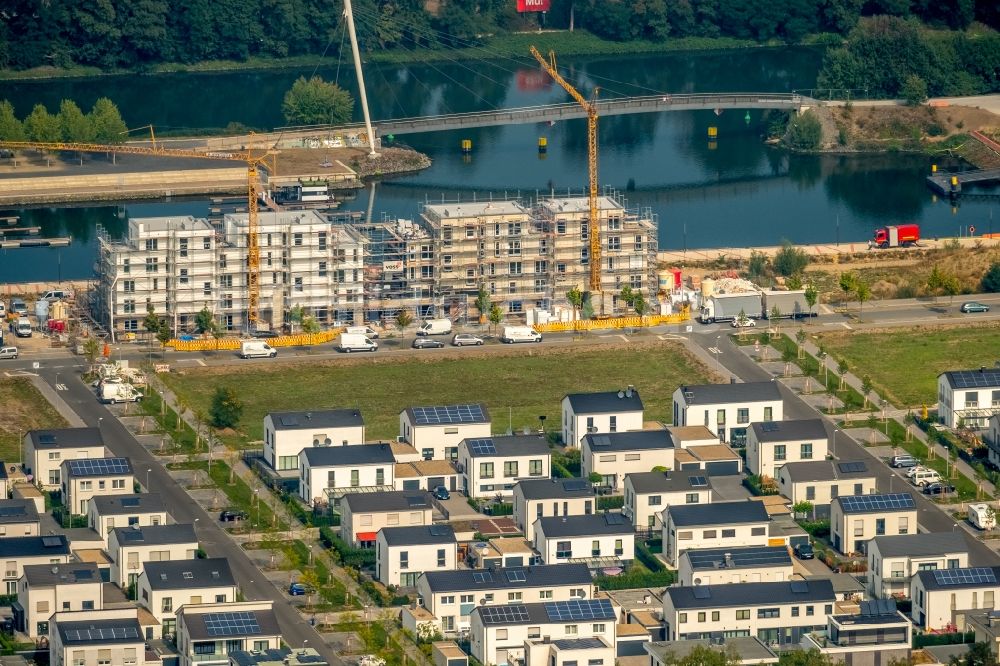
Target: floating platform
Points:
(951, 184)
(20, 230)
(34, 242)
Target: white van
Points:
(351, 342)
(54, 295)
(925, 477)
(257, 349)
(22, 328)
(366, 331)
(982, 517)
(435, 327)
(512, 334)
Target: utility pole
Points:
(349, 17)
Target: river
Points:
(732, 192)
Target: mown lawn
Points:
(904, 364)
(517, 388)
(23, 408)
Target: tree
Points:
(595, 478)
(152, 322)
(863, 292)
(803, 507)
(789, 260)
(204, 321)
(11, 129)
(639, 304)
(106, 122)
(317, 102)
(990, 281)
(483, 303)
(800, 338)
(164, 334)
(403, 319)
(951, 287)
(786, 358)
(811, 657)
(914, 90)
(842, 368)
(866, 388)
(73, 124)
(872, 424)
(757, 265)
(496, 316)
(940, 281)
(627, 295)
(575, 298)
(310, 325)
(847, 282)
(811, 295)
(227, 408)
(804, 131)
(703, 655)
(42, 126)
(310, 580)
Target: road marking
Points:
(670, 336)
(192, 360)
(715, 350)
(825, 309)
(623, 337)
(21, 373)
(846, 325)
(61, 387)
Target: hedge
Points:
(349, 556)
(930, 640)
(644, 555)
(610, 502)
(636, 576)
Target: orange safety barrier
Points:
(614, 323)
(232, 344)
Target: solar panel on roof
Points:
(482, 577)
(516, 575)
(697, 481)
(46, 439)
(99, 466)
(851, 467)
(512, 613)
(482, 447)
(438, 530)
(964, 379)
(102, 634)
(448, 414)
(886, 607)
(8, 511)
(969, 576)
(83, 574)
(579, 609)
(765, 555)
(575, 484)
(238, 623)
(600, 442)
(130, 501)
(614, 519)
(800, 586)
(416, 500)
(289, 421)
(872, 503)
(51, 542)
(770, 426)
(702, 592)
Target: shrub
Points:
(991, 280)
(790, 260)
(914, 90)
(636, 576)
(804, 131)
(610, 502)
(644, 555)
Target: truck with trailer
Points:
(896, 235)
(790, 304)
(727, 307)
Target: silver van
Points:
(8, 352)
(54, 295)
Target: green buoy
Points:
(747, 118)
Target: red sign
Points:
(530, 80)
(533, 5)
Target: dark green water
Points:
(733, 192)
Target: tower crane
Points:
(246, 155)
(588, 105)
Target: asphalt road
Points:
(184, 509)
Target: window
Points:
(571, 630)
(858, 489)
(564, 550)
(129, 306)
(728, 534)
(953, 564)
(152, 264)
(534, 468)
(691, 498)
(859, 527)
(404, 559)
(613, 424)
(152, 244)
(806, 451)
(206, 288)
(206, 243)
(715, 616)
(656, 500)
(810, 493)
(828, 608)
(682, 618)
(880, 526)
(632, 457)
(53, 455)
(595, 548)
(768, 612)
(795, 611)
(167, 604)
(322, 269)
(904, 525)
(510, 469)
(779, 452)
(442, 557)
(515, 597)
(743, 614)
(129, 656)
(709, 534)
(486, 470)
(701, 616)
(614, 243)
(118, 483)
(545, 594)
(758, 531)
(104, 657)
(743, 415)
(768, 413)
(501, 634)
(355, 478)
(128, 286)
(88, 605)
(685, 536)
(720, 417)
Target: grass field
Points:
(528, 382)
(904, 364)
(23, 408)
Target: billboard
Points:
(533, 5)
(392, 266)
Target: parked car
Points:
(938, 489)
(917, 469)
(8, 352)
(905, 460)
(463, 339)
(264, 335)
(974, 306)
(18, 306)
(298, 589)
(804, 551)
(232, 516)
(442, 493)
(427, 343)
(3, 309)
(743, 322)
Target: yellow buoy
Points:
(713, 132)
(543, 144)
(466, 145)
(934, 168)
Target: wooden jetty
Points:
(33, 242)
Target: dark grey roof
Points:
(418, 535)
(185, 574)
(635, 440)
(717, 394)
(47, 575)
(266, 623)
(321, 418)
(65, 438)
(115, 505)
(579, 643)
(749, 648)
(100, 632)
(361, 454)
(606, 402)
(585, 525)
(391, 500)
(508, 446)
(718, 513)
(17, 511)
(34, 546)
(463, 414)
(919, 545)
(965, 577)
(152, 535)
(545, 575)
(747, 557)
(973, 379)
(555, 488)
(827, 470)
(751, 594)
(587, 610)
(276, 656)
(665, 482)
(83, 468)
(787, 431)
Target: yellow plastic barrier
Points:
(232, 344)
(614, 323)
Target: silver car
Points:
(463, 339)
(8, 352)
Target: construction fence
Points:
(232, 344)
(614, 323)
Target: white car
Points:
(913, 471)
(744, 322)
(463, 339)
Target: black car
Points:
(427, 343)
(442, 493)
(804, 551)
(263, 335)
(232, 516)
(938, 489)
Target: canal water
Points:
(734, 191)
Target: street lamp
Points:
(718, 352)
(148, 470)
(256, 501)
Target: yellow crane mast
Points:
(588, 105)
(252, 162)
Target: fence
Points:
(232, 344)
(614, 323)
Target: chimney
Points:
(630, 390)
(732, 380)
(729, 559)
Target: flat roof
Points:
(749, 649)
(72, 573)
(475, 209)
(152, 535)
(718, 394)
(508, 577)
(113, 505)
(217, 623)
(174, 222)
(418, 535)
(750, 594)
(65, 438)
(34, 546)
(338, 456)
(578, 204)
(827, 470)
(745, 557)
(667, 482)
(319, 418)
(189, 574)
(422, 468)
(507, 446)
(555, 488)
(587, 524)
(636, 440)
(13, 511)
(100, 632)
(691, 433)
(392, 500)
(919, 545)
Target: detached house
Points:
(46, 589)
(773, 444)
(344, 469)
(437, 431)
(877, 634)
(613, 455)
(598, 540)
(45, 451)
(18, 517)
(856, 519)
(492, 465)
(821, 481)
(19, 552)
(110, 637)
(165, 587)
(608, 411)
(722, 566)
(362, 515)
(402, 554)
(938, 594)
(538, 498)
(287, 433)
(90, 477)
(107, 512)
(894, 560)
(716, 525)
(968, 397)
(728, 409)
(130, 547)
(647, 494)
(208, 633)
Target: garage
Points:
(435, 481)
(723, 468)
(691, 467)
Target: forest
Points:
(136, 35)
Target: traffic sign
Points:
(972, 230)
(36, 365)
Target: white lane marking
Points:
(846, 325)
(192, 360)
(715, 350)
(21, 373)
(826, 309)
(623, 337)
(61, 387)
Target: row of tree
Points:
(103, 124)
(135, 34)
